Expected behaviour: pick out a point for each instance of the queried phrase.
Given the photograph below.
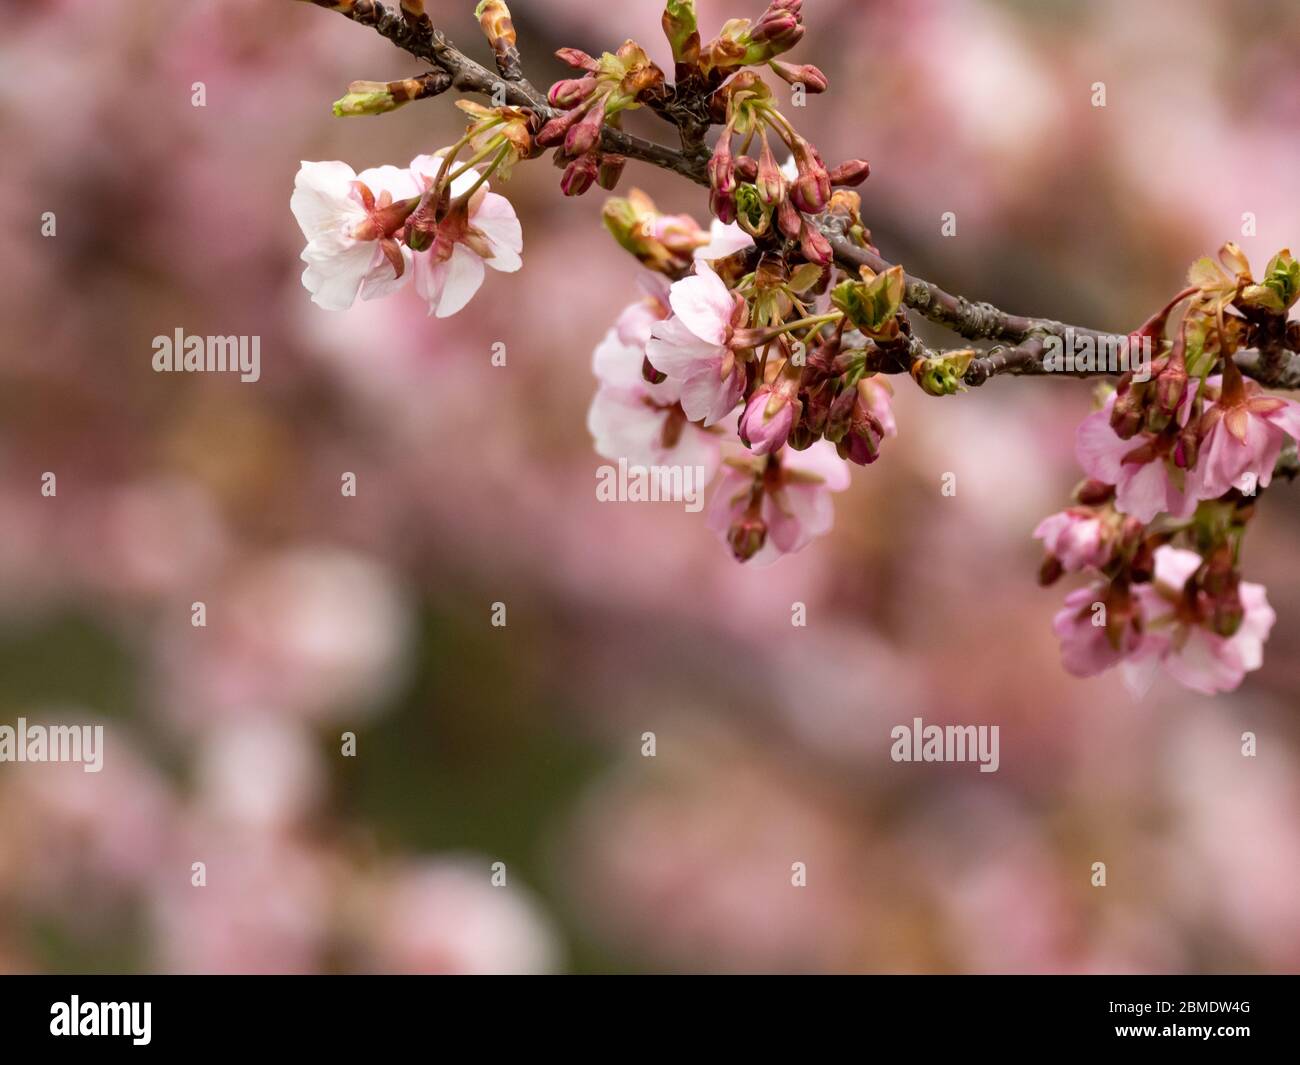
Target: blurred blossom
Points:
(265, 906)
(477, 484)
(263, 772)
(312, 632)
(67, 827)
(444, 916)
(690, 859)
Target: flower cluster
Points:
(757, 354)
(740, 364)
(1178, 458)
(368, 233)
(614, 83)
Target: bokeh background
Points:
(522, 744)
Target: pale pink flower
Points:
(1142, 489)
(1186, 649)
(637, 319)
(485, 233)
(1243, 442)
(1076, 537)
(796, 501)
(643, 423)
(349, 221)
(1086, 649)
(692, 346)
(725, 238)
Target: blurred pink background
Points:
(522, 744)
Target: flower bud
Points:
(610, 170)
(494, 17)
(1187, 448)
(1094, 493)
(579, 175)
(817, 408)
(1121, 613)
(812, 189)
(570, 92)
(814, 245)
(768, 418)
(770, 181)
(809, 76)
(1050, 571)
(583, 136)
(747, 169)
(1129, 412)
(747, 535)
(840, 416)
(380, 97)
(850, 174)
(365, 98)
(555, 131)
(1171, 384)
(578, 59)
(682, 31)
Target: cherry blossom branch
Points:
(426, 42)
(1024, 348)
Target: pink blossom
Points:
(1182, 645)
(1243, 442)
(644, 423)
(637, 319)
(794, 498)
(485, 232)
(348, 221)
(725, 238)
(692, 346)
(1076, 537)
(765, 426)
(1086, 649)
(1144, 488)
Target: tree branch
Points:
(1022, 354)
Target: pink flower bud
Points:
(809, 76)
(770, 181)
(850, 174)
(747, 168)
(768, 419)
(585, 135)
(812, 190)
(814, 245)
(577, 59)
(554, 132)
(746, 536)
(570, 92)
(611, 169)
(579, 175)
(788, 220)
